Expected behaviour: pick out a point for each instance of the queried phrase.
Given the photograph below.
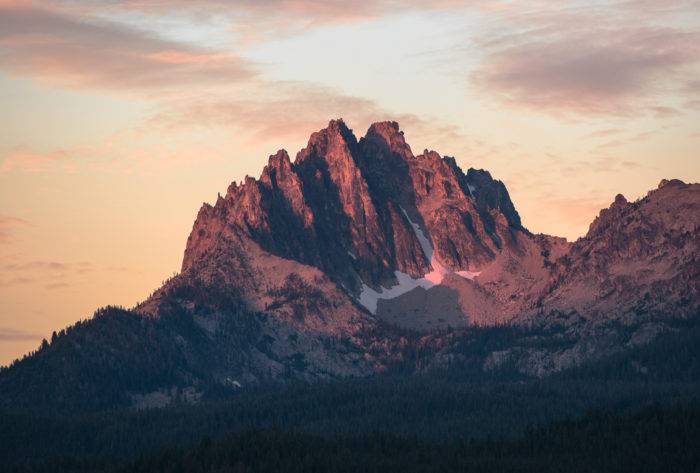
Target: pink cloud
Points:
(29, 161)
(65, 43)
(291, 110)
(9, 225)
(36, 265)
(605, 133)
(16, 281)
(312, 12)
(52, 45)
(14, 335)
(603, 61)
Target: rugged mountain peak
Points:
(366, 213)
(491, 195)
(672, 198)
(430, 156)
(336, 141)
(279, 167)
(648, 247)
(620, 200)
(348, 223)
(671, 182)
(608, 216)
(388, 135)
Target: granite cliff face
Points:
(415, 242)
(363, 211)
(359, 257)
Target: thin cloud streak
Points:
(278, 117)
(188, 86)
(9, 225)
(50, 45)
(24, 160)
(17, 335)
(569, 62)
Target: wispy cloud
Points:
(582, 62)
(17, 335)
(189, 87)
(25, 160)
(49, 44)
(16, 281)
(9, 225)
(262, 20)
(52, 275)
(37, 265)
(279, 116)
(605, 133)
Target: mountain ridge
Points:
(361, 258)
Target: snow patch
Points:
(471, 190)
(369, 297)
(439, 271)
(352, 255)
(468, 274)
(405, 283)
(232, 382)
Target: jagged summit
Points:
(382, 223)
(351, 208)
(672, 182)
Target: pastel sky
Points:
(119, 118)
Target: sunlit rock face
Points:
(379, 223)
(366, 212)
(356, 239)
(360, 257)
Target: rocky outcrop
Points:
(638, 259)
(381, 223)
(349, 209)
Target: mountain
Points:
(361, 258)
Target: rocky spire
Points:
(351, 209)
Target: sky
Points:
(120, 118)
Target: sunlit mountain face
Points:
(469, 242)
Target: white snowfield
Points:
(405, 283)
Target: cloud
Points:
(8, 225)
(31, 272)
(49, 44)
(51, 275)
(24, 160)
(17, 335)
(187, 86)
(663, 111)
(692, 87)
(57, 268)
(16, 281)
(598, 63)
(605, 133)
(630, 164)
(263, 19)
(40, 265)
(292, 110)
